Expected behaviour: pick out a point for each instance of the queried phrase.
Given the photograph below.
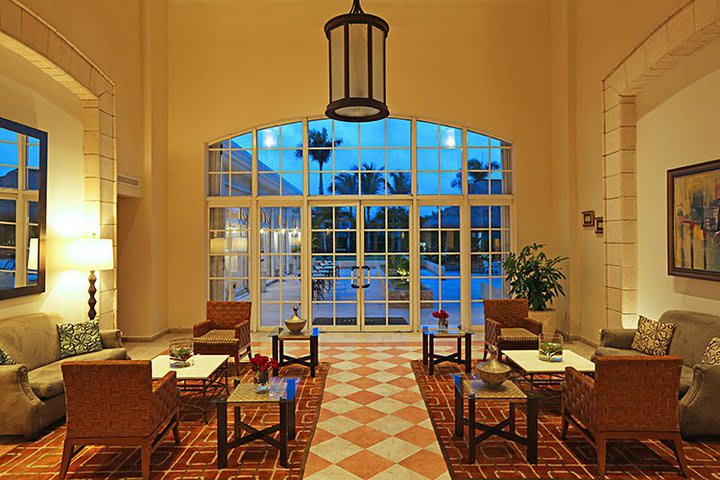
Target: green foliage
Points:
(533, 275)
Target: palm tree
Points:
(372, 181)
(346, 183)
(475, 177)
(400, 183)
(319, 144)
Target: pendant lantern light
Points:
(357, 66)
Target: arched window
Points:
(366, 225)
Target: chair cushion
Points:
(516, 335)
(79, 338)
(47, 381)
(5, 359)
(217, 337)
(615, 352)
(652, 337)
(686, 379)
(712, 353)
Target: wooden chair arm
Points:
(578, 396)
(492, 331)
(532, 325)
(242, 333)
(165, 398)
(200, 329)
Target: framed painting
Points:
(693, 222)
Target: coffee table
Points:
(430, 358)
(207, 377)
(281, 336)
(541, 374)
(281, 393)
(477, 390)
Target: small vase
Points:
(493, 372)
(181, 352)
(443, 323)
(262, 378)
(550, 347)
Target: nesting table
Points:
(207, 378)
(278, 348)
(281, 394)
(474, 390)
(430, 358)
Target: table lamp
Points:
(94, 254)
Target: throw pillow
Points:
(6, 359)
(712, 353)
(653, 338)
(79, 338)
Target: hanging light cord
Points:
(356, 8)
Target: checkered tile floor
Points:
(373, 423)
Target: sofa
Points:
(32, 395)
(699, 390)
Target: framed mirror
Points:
(23, 202)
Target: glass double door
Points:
(360, 266)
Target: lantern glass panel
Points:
(337, 66)
(359, 87)
(378, 58)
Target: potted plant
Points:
(533, 275)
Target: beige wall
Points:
(234, 66)
(31, 97)
(605, 32)
(677, 126)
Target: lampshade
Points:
(32, 261)
(93, 254)
(357, 66)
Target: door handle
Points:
(353, 269)
(366, 284)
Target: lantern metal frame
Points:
(357, 16)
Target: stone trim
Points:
(24, 32)
(690, 28)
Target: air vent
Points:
(129, 181)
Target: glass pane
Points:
(9, 153)
(477, 139)
(427, 159)
(345, 218)
(398, 217)
(450, 159)
(429, 241)
(345, 242)
(450, 217)
(7, 211)
(322, 242)
(398, 132)
(7, 235)
(375, 242)
(8, 177)
(292, 161)
(268, 184)
(346, 183)
(292, 184)
(374, 217)
(398, 242)
(346, 134)
(322, 217)
(399, 183)
(269, 137)
(450, 184)
(399, 159)
(372, 183)
(429, 217)
(450, 240)
(479, 217)
(346, 160)
(320, 184)
(269, 160)
(33, 156)
(292, 135)
(242, 141)
(241, 184)
(427, 183)
(450, 137)
(219, 161)
(241, 161)
(372, 134)
(33, 179)
(427, 134)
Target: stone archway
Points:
(689, 29)
(25, 33)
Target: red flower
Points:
(262, 362)
(441, 314)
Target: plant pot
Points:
(548, 318)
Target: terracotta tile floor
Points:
(373, 423)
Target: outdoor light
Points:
(357, 66)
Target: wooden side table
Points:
(430, 358)
(244, 394)
(278, 349)
(508, 391)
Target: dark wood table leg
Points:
(511, 425)
(431, 354)
(532, 428)
(275, 351)
(283, 432)
(459, 351)
(468, 352)
(291, 419)
(425, 348)
(281, 354)
(313, 355)
(471, 433)
(222, 434)
(458, 408)
(204, 400)
(236, 424)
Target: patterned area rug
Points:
(195, 458)
(498, 458)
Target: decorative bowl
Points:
(295, 324)
(493, 372)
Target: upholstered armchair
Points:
(225, 331)
(630, 397)
(508, 327)
(116, 402)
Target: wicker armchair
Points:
(225, 331)
(507, 326)
(116, 402)
(630, 397)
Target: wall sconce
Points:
(588, 218)
(599, 225)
